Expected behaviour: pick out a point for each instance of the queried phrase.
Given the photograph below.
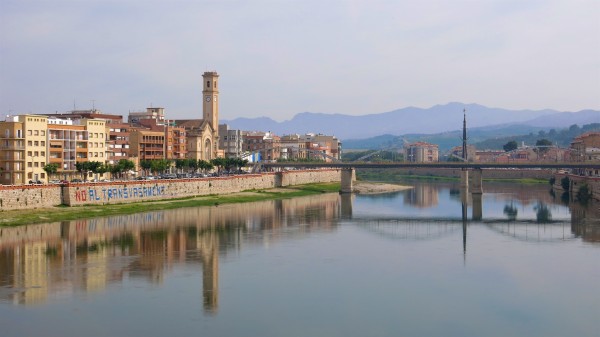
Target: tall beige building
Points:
(23, 149)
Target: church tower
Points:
(210, 97)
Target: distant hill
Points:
(491, 138)
(411, 120)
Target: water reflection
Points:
(88, 255)
(38, 262)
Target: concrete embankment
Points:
(29, 197)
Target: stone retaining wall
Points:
(27, 197)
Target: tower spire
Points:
(464, 137)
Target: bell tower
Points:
(210, 97)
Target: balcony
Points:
(12, 147)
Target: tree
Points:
(180, 164)
(51, 169)
(204, 165)
(219, 162)
(146, 165)
(126, 165)
(543, 145)
(510, 146)
(160, 165)
(83, 168)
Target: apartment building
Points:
(421, 152)
(230, 142)
(23, 149)
(147, 144)
(586, 148)
(118, 142)
(266, 144)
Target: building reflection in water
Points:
(88, 255)
(422, 195)
(46, 260)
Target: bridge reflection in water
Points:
(42, 262)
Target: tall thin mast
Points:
(464, 137)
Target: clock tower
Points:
(210, 99)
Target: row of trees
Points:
(95, 167)
(542, 143)
(192, 165)
(158, 166)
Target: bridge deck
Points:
(445, 165)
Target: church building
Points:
(203, 134)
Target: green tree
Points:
(146, 165)
(160, 165)
(544, 145)
(83, 168)
(510, 146)
(205, 165)
(181, 164)
(219, 162)
(51, 169)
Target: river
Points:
(430, 261)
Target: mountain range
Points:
(412, 120)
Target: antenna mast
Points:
(464, 137)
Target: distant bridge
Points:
(444, 165)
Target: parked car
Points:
(76, 180)
(36, 182)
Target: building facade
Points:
(421, 152)
(230, 142)
(263, 145)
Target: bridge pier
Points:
(477, 182)
(348, 176)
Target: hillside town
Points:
(58, 147)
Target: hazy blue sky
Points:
(279, 58)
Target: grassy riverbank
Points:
(62, 213)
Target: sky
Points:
(277, 58)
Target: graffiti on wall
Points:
(107, 194)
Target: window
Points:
(35, 154)
(208, 84)
(43, 143)
(36, 143)
(43, 133)
(29, 132)
(29, 153)
(43, 153)
(36, 132)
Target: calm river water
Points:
(423, 262)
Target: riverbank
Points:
(60, 213)
(368, 187)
